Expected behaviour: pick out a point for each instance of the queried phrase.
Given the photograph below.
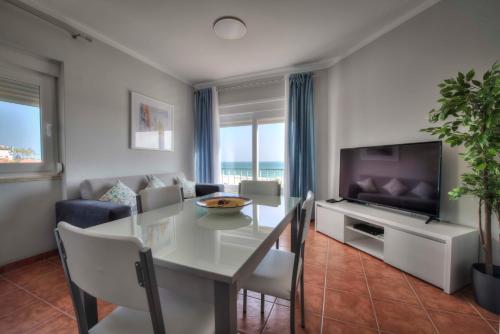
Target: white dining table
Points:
(207, 256)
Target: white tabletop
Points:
(184, 237)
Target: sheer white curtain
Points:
(216, 162)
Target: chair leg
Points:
(244, 301)
(262, 296)
(302, 302)
(278, 244)
(292, 315)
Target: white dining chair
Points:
(120, 270)
(269, 188)
(280, 272)
(154, 198)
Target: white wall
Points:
(382, 93)
(97, 81)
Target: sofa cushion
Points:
(188, 187)
(154, 182)
(121, 194)
(95, 188)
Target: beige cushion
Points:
(273, 275)
(95, 188)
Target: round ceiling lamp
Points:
(229, 27)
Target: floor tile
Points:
(33, 271)
(468, 294)
(337, 248)
(332, 326)
(104, 308)
(385, 288)
(345, 263)
(59, 325)
(47, 284)
(377, 269)
(26, 318)
(62, 300)
(495, 325)
(350, 307)
(6, 287)
(454, 323)
(11, 302)
(394, 317)
(314, 274)
(253, 321)
(279, 322)
(435, 299)
(312, 257)
(346, 281)
(313, 296)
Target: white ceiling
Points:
(176, 35)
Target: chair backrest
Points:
(104, 266)
(153, 198)
(305, 222)
(270, 188)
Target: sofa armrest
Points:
(86, 213)
(203, 189)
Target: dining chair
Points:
(154, 198)
(250, 187)
(268, 188)
(280, 272)
(120, 270)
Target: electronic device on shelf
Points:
(370, 229)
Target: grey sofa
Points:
(89, 211)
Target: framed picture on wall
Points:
(152, 124)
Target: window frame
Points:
(254, 119)
(48, 120)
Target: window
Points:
(20, 140)
(27, 115)
(271, 151)
(236, 154)
(251, 148)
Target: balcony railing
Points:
(234, 176)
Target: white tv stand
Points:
(439, 253)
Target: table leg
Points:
(225, 308)
(294, 228)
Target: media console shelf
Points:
(440, 253)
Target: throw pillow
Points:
(188, 187)
(367, 185)
(121, 194)
(424, 190)
(395, 187)
(154, 182)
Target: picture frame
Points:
(151, 123)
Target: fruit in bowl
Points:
(224, 204)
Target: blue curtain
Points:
(203, 135)
(301, 142)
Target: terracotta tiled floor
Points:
(346, 291)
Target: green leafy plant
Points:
(469, 115)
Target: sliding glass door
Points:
(251, 148)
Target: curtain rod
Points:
(38, 13)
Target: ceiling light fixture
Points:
(229, 27)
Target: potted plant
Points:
(469, 115)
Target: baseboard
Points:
(24, 262)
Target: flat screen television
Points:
(402, 176)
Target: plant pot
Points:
(486, 287)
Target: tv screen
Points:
(404, 176)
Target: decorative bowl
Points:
(223, 205)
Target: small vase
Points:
(486, 287)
